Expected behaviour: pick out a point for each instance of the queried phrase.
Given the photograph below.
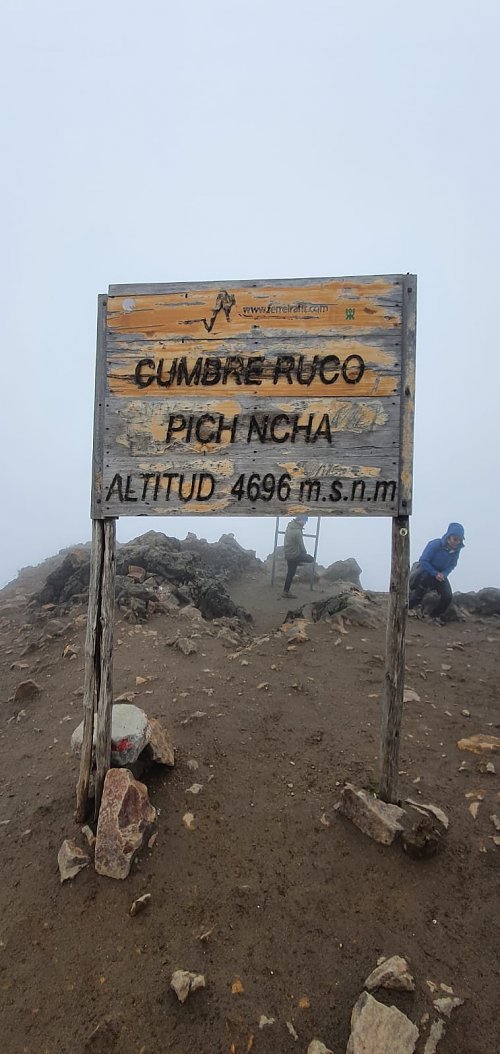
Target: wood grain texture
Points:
(99, 409)
(322, 306)
(105, 702)
(408, 393)
(392, 708)
(92, 669)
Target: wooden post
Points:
(98, 677)
(105, 701)
(395, 660)
(92, 669)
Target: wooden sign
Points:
(267, 397)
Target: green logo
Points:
(349, 313)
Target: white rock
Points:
(195, 789)
(139, 904)
(375, 818)
(447, 1004)
(436, 1033)
(393, 973)
(411, 696)
(130, 732)
(289, 1025)
(183, 982)
(71, 859)
(380, 1029)
(264, 1021)
(317, 1047)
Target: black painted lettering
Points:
(330, 362)
(140, 380)
(233, 365)
(176, 423)
(381, 487)
(361, 484)
(254, 368)
(186, 377)
(336, 490)
(323, 430)
(353, 369)
(205, 477)
(283, 368)
(157, 486)
(129, 493)
(227, 426)
(147, 477)
(202, 437)
(169, 476)
(276, 422)
(165, 381)
(306, 371)
(258, 425)
(297, 428)
(211, 372)
(186, 495)
(115, 489)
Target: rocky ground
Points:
(279, 902)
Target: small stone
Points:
(393, 973)
(195, 789)
(445, 667)
(188, 821)
(186, 646)
(411, 696)
(183, 982)
(317, 1047)
(487, 766)
(192, 765)
(89, 835)
(465, 713)
(474, 808)
(197, 716)
(140, 680)
(264, 1021)
(264, 685)
(378, 1029)
(447, 1004)
(139, 904)
(495, 821)
(71, 859)
(480, 744)
(434, 809)
(237, 987)
(126, 817)
(293, 1033)
(70, 652)
(159, 746)
(26, 691)
(125, 697)
(375, 818)
(436, 1033)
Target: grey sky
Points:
(162, 142)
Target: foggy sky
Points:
(198, 142)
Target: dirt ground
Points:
(299, 902)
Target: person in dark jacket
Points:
(438, 560)
(295, 552)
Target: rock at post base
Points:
(392, 973)
(159, 747)
(129, 734)
(377, 819)
(380, 1029)
(126, 818)
(71, 859)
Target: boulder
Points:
(126, 818)
(130, 730)
(380, 1029)
(71, 859)
(377, 819)
(392, 973)
(342, 571)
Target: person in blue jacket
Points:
(431, 573)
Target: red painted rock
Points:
(126, 818)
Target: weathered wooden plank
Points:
(316, 366)
(92, 669)
(153, 288)
(323, 306)
(245, 427)
(105, 703)
(211, 487)
(408, 393)
(99, 408)
(392, 709)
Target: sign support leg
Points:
(395, 660)
(98, 677)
